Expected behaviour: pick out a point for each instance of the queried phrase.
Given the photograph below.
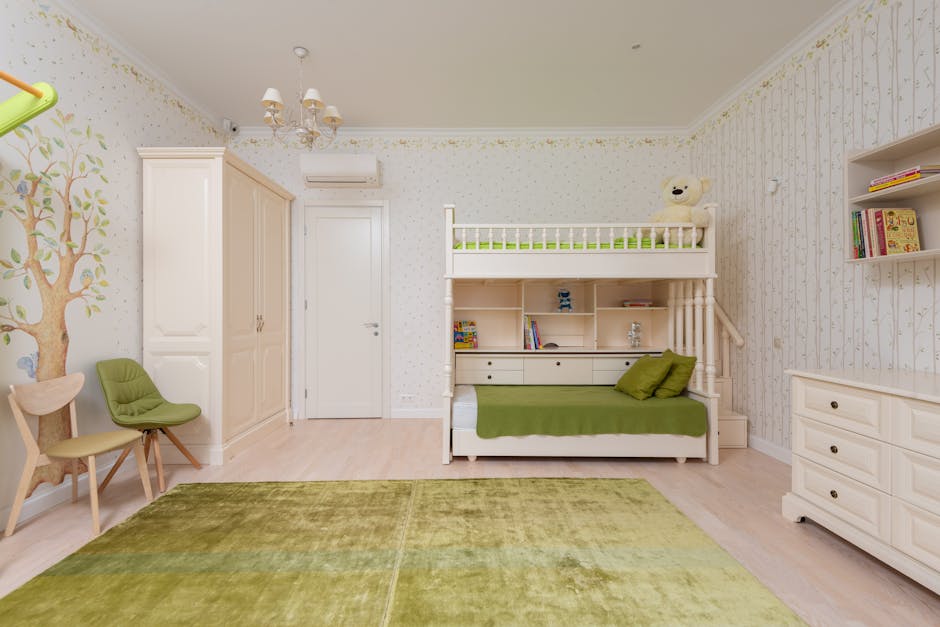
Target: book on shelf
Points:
(530, 334)
(877, 232)
(896, 177)
(465, 334)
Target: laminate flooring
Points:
(826, 580)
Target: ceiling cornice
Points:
(249, 132)
(138, 60)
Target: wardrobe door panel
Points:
(273, 272)
(239, 313)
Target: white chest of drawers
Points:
(542, 368)
(866, 463)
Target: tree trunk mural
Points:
(63, 219)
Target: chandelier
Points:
(318, 123)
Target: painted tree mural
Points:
(53, 195)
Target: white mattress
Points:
(465, 407)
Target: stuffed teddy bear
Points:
(682, 194)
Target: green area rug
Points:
(448, 552)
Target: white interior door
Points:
(344, 343)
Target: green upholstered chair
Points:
(135, 403)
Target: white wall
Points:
(866, 80)
(506, 177)
(103, 89)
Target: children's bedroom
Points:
(454, 313)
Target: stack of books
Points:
(903, 176)
(465, 334)
(532, 340)
(878, 232)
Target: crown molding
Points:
(139, 61)
(359, 132)
(802, 41)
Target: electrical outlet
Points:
(406, 397)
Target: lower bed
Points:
(552, 421)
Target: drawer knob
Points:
(489, 363)
(557, 363)
(626, 363)
(834, 448)
(834, 405)
(833, 494)
(489, 376)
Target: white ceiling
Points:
(461, 63)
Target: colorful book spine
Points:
(900, 181)
(535, 333)
(872, 234)
(864, 217)
(465, 334)
(900, 231)
(880, 230)
(894, 176)
(856, 236)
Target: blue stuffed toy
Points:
(564, 300)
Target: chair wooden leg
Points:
(142, 469)
(158, 460)
(93, 494)
(75, 481)
(114, 469)
(148, 437)
(28, 468)
(185, 451)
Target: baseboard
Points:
(422, 412)
(46, 497)
(769, 448)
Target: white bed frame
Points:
(539, 251)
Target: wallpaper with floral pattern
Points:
(127, 108)
(869, 80)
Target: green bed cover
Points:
(581, 410)
(618, 244)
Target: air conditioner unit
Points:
(337, 170)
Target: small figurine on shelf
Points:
(635, 334)
(564, 300)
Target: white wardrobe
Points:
(216, 288)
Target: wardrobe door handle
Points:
(833, 494)
(626, 363)
(834, 448)
(834, 405)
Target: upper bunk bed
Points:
(621, 251)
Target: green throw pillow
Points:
(678, 377)
(644, 377)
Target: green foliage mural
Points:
(54, 195)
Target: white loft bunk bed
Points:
(603, 252)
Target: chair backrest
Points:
(45, 397)
(128, 389)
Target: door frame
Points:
(306, 313)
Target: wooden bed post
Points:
(710, 336)
(448, 332)
(699, 336)
(689, 347)
(671, 317)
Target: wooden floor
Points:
(825, 580)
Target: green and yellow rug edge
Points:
(441, 551)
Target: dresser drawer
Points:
(488, 362)
(850, 408)
(916, 532)
(916, 425)
(916, 479)
(558, 371)
(620, 364)
(489, 377)
(856, 456)
(860, 505)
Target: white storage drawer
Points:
(489, 377)
(857, 504)
(856, 456)
(916, 425)
(916, 479)
(488, 362)
(558, 370)
(620, 364)
(916, 532)
(855, 409)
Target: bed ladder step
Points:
(732, 430)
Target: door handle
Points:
(371, 325)
(261, 328)
(257, 323)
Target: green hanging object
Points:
(24, 106)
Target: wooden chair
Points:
(46, 397)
